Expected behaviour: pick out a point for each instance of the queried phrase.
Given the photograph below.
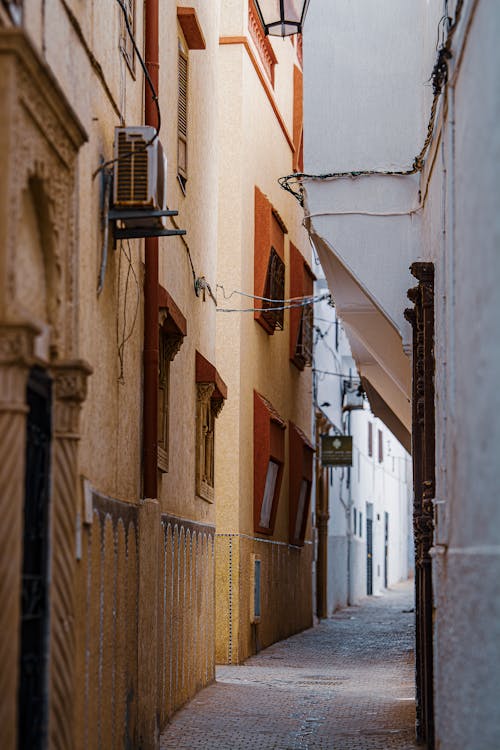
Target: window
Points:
(301, 318)
(182, 115)
(360, 523)
(355, 520)
(171, 335)
(275, 290)
(301, 453)
(269, 457)
(370, 439)
(269, 264)
(380, 447)
(126, 45)
(269, 492)
(190, 38)
(211, 393)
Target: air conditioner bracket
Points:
(130, 233)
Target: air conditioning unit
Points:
(140, 176)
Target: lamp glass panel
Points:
(293, 10)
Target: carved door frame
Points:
(421, 317)
(40, 137)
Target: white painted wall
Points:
(366, 106)
(383, 484)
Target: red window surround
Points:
(301, 453)
(269, 233)
(174, 322)
(301, 285)
(261, 41)
(206, 373)
(268, 447)
(190, 25)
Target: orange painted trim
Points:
(244, 41)
(191, 28)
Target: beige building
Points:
(264, 458)
(109, 394)
(117, 459)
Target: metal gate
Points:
(369, 556)
(32, 711)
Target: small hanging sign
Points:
(336, 450)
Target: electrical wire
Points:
(303, 298)
(126, 335)
(411, 212)
(439, 80)
(337, 374)
(154, 96)
(311, 301)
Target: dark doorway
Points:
(369, 549)
(386, 550)
(32, 711)
(369, 556)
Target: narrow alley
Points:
(345, 685)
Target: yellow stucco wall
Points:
(254, 152)
(143, 596)
(139, 596)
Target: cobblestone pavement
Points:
(347, 684)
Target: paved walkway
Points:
(345, 685)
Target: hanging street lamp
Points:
(282, 17)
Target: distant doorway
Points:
(369, 549)
(32, 710)
(386, 550)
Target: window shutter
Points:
(126, 42)
(182, 115)
(275, 290)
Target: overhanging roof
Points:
(375, 342)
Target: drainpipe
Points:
(148, 708)
(151, 343)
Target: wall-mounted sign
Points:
(336, 450)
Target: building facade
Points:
(141, 143)
(110, 392)
(401, 195)
(264, 457)
(363, 511)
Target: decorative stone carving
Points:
(172, 346)
(44, 139)
(261, 41)
(43, 136)
(70, 390)
(421, 318)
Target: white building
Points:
(402, 143)
(369, 504)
